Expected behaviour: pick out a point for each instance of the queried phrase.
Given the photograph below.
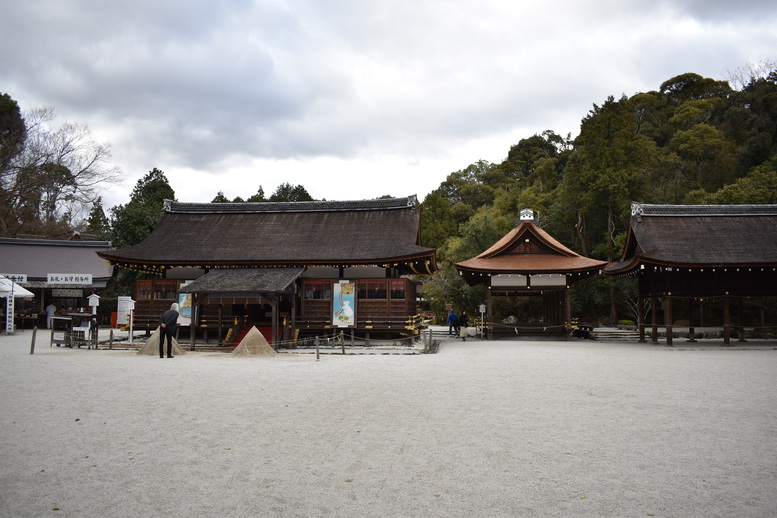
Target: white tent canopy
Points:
(8, 287)
(10, 291)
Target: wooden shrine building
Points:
(527, 261)
(290, 269)
(698, 252)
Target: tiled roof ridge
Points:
(292, 206)
(647, 209)
(55, 242)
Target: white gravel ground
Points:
(491, 429)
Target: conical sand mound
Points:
(254, 344)
(152, 345)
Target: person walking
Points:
(51, 310)
(167, 329)
(463, 324)
(453, 323)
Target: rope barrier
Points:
(339, 341)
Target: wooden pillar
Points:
(221, 334)
(192, 320)
(740, 318)
(654, 319)
(294, 315)
(489, 315)
(668, 320)
(691, 330)
(568, 313)
(726, 321)
(274, 319)
(641, 318)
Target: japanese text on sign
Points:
(18, 278)
(69, 278)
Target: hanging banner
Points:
(184, 309)
(344, 304)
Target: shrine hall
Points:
(693, 253)
(528, 261)
(287, 268)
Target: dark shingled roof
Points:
(385, 231)
(244, 280)
(529, 250)
(699, 236)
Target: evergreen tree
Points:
(133, 222)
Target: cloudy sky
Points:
(352, 99)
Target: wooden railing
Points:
(411, 324)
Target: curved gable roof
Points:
(527, 250)
(699, 235)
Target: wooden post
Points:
(489, 315)
(192, 322)
(641, 319)
(691, 329)
(568, 313)
(110, 341)
(221, 329)
(32, 343)
(274, 319)
(668, 320)
(654, 318)
(726, 321)
(740, 318)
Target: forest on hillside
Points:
(694, 140)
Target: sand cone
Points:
(254, 344)
(152, 346)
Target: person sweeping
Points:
(167, 329)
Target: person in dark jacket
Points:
(463, 324)
(167, 329)
(453, 323)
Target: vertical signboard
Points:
(185, 309)
(123, 308)
(344, 304)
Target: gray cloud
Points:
(201, 86)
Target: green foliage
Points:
(437, 223)
(220, 198)
(758, 187)
(98, 223)
(288, 192)
(13, 131)
(133, 222)
(258, 197)
(695, 140)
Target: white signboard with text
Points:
(18, 278)
(69, 278)
(124, 306)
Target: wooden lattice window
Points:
(372, 289)
(318, 290)
(398, 287)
